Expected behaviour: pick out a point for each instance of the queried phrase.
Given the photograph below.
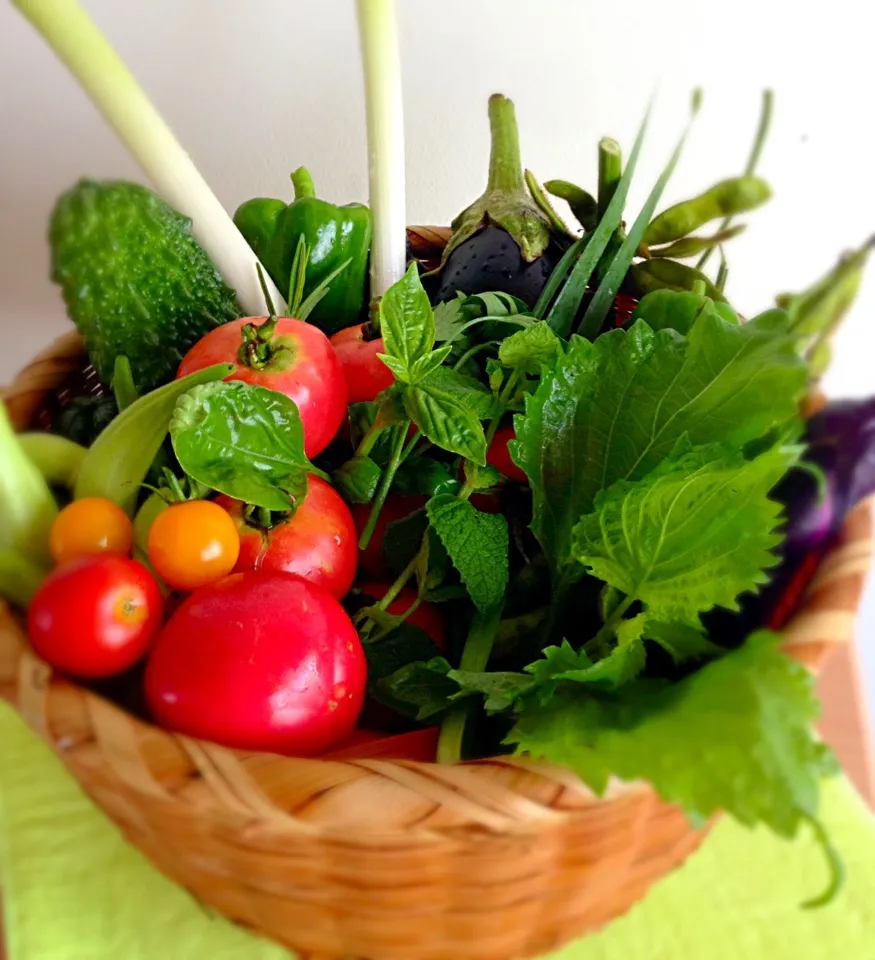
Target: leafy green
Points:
(477, 544)
(358, 479)
(531, 349)
(694, 533)
(421, 689)
(682, 641)
(468, 391)
(735, 736)
(406, 325)
(424, 476)
(404, 645)
(678, 310)
(446, 420)
(244, 441)
(453, 318)
(615, 408)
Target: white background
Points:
(254, 89)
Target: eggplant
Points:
(841, 447)
(503, 241)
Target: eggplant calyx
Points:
(506, 201)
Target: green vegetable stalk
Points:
(57, 458)
(333, 235)
(27, 507)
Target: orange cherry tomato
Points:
(89, 527)
(192, 544)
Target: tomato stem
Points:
(385, 484)
(475, 657)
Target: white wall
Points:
(255, 89)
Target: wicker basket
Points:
(379, 859)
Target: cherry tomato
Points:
(366, 374)
(426, 616)
(371, 560)
(192, 544)
(298, 361)
(90, 526)
(259, 661)
(318, 542)
(96, 616)
(498, 455)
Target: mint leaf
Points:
(734, 736)
(423, 476)
(244, 441)
(477, 544)
(498, 689)
(469, 392)
(694, 533)
(406, 324)
(481, 478)
(446, 420)
(531, 349)
(613, 409)
(420, 689)
(358, 479)
(678, 310)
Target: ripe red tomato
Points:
(318, 542)
(192, 544)
(366, 374)
(498, 455)
(426, 616)
(259, 661)
(298, 361)
(96, 616)
(371, 560)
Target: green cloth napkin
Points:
(74, 890)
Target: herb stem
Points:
(385, 484)
(475, 657)
(504, 397)
(752, 161)
(610, 625)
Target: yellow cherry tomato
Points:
(192, 544)
(88, 527)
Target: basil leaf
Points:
(358, 479)
(446, 421)
(406, 323)
(429, 363)
(531, 349)
(477, 544)
(470, 392)
(244, 441)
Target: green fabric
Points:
(74, 890)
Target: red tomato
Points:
(318, 542)
(366, 374)
(96, 616)
(299, 362)
(259, 661)
(426, 616)
(418, 745)
(498, 455)
(371, 560)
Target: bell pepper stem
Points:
(303, 183)
(505, 165)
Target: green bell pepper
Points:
(334, 234)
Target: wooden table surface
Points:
(844, 725)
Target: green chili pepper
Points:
(692, 246)
(724, 199)
(333, 234)
(659, 274)
(583, 205)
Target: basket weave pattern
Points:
(378, 859)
